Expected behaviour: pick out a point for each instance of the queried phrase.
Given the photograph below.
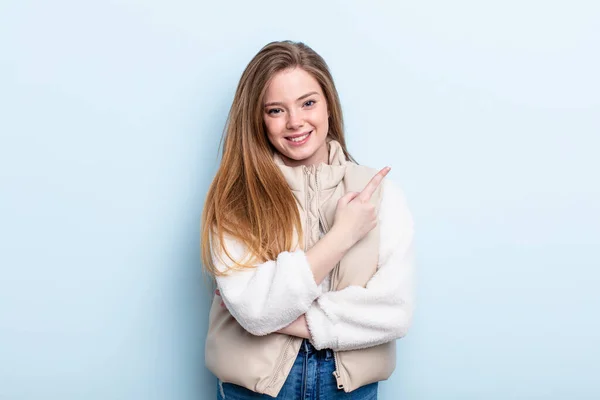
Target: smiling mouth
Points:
(298, 138)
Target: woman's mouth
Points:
(298, 140)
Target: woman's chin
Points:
(295, 157)
(299, 154)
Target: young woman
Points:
(311, 252)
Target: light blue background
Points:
(111, 115)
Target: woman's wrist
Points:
(327, 252)
(298, 328)
(342, 241)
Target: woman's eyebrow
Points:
(278, 103)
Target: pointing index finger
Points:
(368, 191)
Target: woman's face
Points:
(296, 117)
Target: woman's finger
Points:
(368, 191)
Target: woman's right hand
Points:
(355, 216)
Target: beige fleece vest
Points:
(262, 363)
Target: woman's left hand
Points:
(298, 328)
(218, 293)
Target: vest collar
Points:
(330, 175)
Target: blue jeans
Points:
(311, 378)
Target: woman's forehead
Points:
(290, 86)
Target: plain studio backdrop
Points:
(111, 114)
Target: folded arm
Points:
(269, 296)
(272, 295)
(359, 317)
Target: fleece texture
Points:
(270, 296)
(274, 294)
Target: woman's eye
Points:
(309, 103)
(274, 111)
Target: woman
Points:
(312, 253)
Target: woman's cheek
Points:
(274, 126)
(319, 118)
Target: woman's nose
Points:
(294, 121)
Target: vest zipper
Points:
(306, 205)
(282, 357)
(338, 377)
(336, 373)
(291, 338)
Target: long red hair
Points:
(249, 200)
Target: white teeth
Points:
(299, 138)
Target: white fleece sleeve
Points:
(357, 317)
(270, 296)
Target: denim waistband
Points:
(308, 348)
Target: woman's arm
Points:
(298, 328)
(358, 317)
(274, 294)
(355, 216)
